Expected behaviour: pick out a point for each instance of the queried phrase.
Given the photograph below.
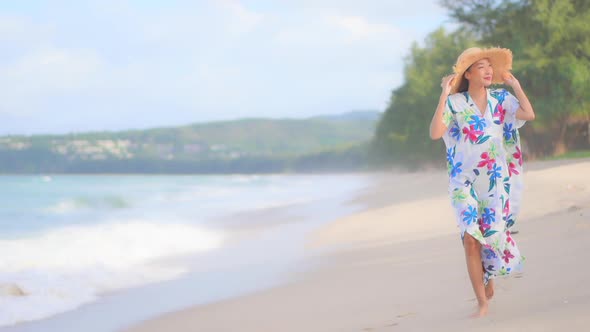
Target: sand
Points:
(399, 266)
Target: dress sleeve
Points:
(511, 105)
(452, 134)
(448, 113)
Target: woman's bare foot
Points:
(490, 289)
(482, 310)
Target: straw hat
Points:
(500, 59)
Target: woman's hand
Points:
(437, 126)
(447, 83)
(511, 80)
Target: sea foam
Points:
(63, 268)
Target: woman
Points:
(479, 126)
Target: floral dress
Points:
(485, 174)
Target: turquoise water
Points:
(66, 240)
(32, 204)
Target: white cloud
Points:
(359, 28)
(375, 9)
(44, 73)
(18, 29)
(243, 20)
(322, 32)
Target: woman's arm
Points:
(437, 126)
(525, 111)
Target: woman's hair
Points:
(464, 85)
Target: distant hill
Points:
(351, 116)
(245, 139)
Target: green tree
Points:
(551, 44)
(402, 134)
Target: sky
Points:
(76, 66)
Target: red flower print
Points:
(518, 155)
(471, 133)
(509, 238)
(507, 208)
(486, 161)
(501, 113)
(512, 169)
(483, 227)
(507, 256)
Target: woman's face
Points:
(480, 73)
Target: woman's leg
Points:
(475, 270)
(490, 289)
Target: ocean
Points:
(97, 253)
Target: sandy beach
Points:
(398, 265)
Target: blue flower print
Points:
(500, 95)
(456, 169)
(477, 122)
(495, 172)
(489, 254)
(450, 155)
(489, 215)
(508, 132)
(456, 132)
(470, 215)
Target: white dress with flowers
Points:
(485, 174)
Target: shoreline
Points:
(381, 275)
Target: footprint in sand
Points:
(379, 328)
(407, 314)
(573, 208)
(391, 324)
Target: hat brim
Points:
(500, 59)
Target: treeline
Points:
(550, 41)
